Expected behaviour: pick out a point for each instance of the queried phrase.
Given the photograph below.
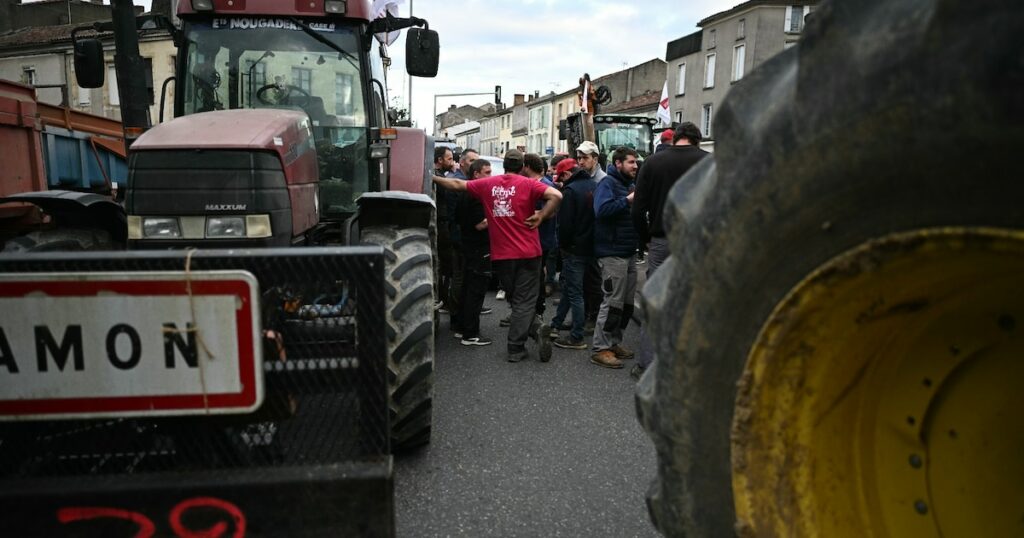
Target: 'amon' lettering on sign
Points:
(69, 349)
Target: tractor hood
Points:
(285, 132)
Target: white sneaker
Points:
(500, 295)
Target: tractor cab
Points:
(335, 77)
(615, 131)
(281, 119)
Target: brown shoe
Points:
(606, 359)
(621, 353)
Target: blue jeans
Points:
(572, 294)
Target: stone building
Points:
(701, 67)
(39, 52)
(15, 14)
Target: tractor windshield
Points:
(268, 62)
(632, 135)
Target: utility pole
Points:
(131, 71)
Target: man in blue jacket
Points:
(615, 244)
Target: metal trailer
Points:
(62, 169)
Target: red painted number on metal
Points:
(146, 528)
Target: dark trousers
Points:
(454, 299)
(476, 276)
(542, 297)
(592, 293)
(551, 266)
(657, 253)
(520, 280)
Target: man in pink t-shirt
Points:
(509, 201)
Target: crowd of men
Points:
(537, 216)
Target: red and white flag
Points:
(663, 113)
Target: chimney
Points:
(536, 94)
(451, 108)
(162, 7)
(518, 99)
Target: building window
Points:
(303, 79)
(342, 93)
(28, 76)
(150, 89)
(739, 54)
(679, 117)
(741, 29)
(705, 121)
(84, 96)
(795, 16)
(709, 71)
(112, 93)
(712, 40)
(681, 86)
(257, 78)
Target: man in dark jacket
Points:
(660, 172)
(615, 244)
(476, 246)
(576, 240)
(534, 168)
(457, 260)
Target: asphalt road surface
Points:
(529, 448)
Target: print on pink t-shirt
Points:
(508, 201)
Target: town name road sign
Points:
(129, 344)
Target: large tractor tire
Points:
(840, 326)
(409, 298)
(61, 239)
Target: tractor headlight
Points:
(160, 227)
(225, 227)
(336, 7)
(257, 226)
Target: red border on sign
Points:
(124, 404)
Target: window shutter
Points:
(114, 96)
(789, 18)
(709, 71)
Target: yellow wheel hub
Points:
(884, 396)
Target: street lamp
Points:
(433, 119)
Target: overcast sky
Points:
(542, 45)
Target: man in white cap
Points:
(588, 157)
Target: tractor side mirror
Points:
(422, 51)
(89, 68)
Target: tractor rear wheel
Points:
(840, 324)
(409, 297)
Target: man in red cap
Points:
(666, 140)
(576, 239)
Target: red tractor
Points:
(282, 137)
